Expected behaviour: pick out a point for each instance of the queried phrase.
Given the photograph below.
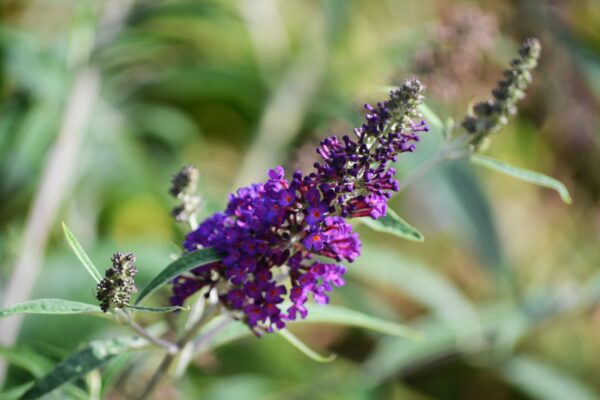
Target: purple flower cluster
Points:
(273, 232)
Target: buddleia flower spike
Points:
(118, 284)
(183, 188)
(289, 228)
(490, 115)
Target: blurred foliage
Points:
(505, 287)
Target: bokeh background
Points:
(101, 101)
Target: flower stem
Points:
(422, 170)
(208, 336)
(452, 150)
(171, 348)
(163, 369)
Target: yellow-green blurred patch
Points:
(141, 216)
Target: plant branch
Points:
(450, 151)
(208, 336)
(163, 369)
(185, 354)
(171, 348)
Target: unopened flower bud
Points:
(488, 116)
(184, 180)
(118, 284)
(183, 187)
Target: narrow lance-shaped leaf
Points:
(93, 356)
(81, 254)
(157, 309)
(27, 359)
(543, 381)
(184, 263)
(340, 315)
(391, 355)
(297, 343)
(118, 367)
(391, 223)
(423, 284)
(221, 330)
(523, 174)
(36, 364)
(15, 393)
(49, 306)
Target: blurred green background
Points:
(102, 101)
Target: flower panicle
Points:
(118, 284)
(183, 187)
(490, 115)
(405, 100)
(359, 170)
(280, 230)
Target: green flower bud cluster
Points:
(118, 284)
(404, 102)
(183, 188)
(489, 116)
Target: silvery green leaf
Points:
(543, 381)
(523, 174)
(15, 393)
(183, 264)
(79, 363)
(50, 306)
(81, 254)
(221, 330)
(300, 345)
(157, 309)
(424, 284)
(27, 359)
(331, 314)
(391, 223)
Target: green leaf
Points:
(37, 365)
(339, 315)
(523, 174)
(27, 359)
(393, 224)
(115, 370)
(393, 356)
(81, 254)
(543, 381)
(297, 343)
(422, 283)
(184, 263)
(440, 340)
(503, 322)
(460, 195)
(93, 356)
(50, 306)
(221, 331)
(16, 392)
(157, 309)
